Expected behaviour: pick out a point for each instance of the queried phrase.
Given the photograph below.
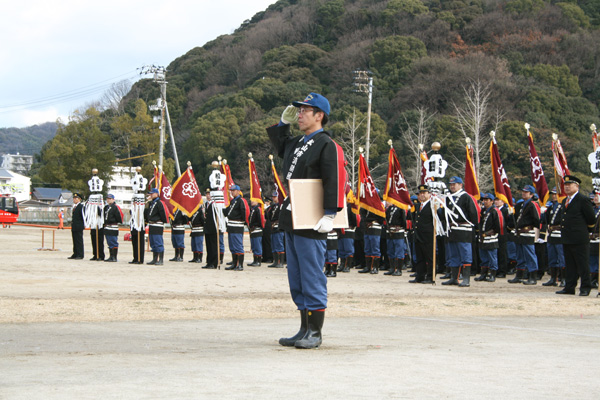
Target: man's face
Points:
(571, 188)
(76, 200)
(525, 195)
(208, 196)
(455, 187)
(309, 120)
(487, 203)
(554, 197)
(235, 193)
(424, 196)
(153, 195)
(110, 201)
(275, 199)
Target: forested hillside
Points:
(442, 70)
(26, 140)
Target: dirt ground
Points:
(86, 329)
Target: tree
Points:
(416, 132)
(112, 99)
(77, 148)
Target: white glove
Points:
(289, 115)
(325, 224)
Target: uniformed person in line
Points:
(490, 231)
(578, 218)
(197, 234)
(97, 242)
(423, 237)
(527, 220)
(595, 240)
(331, 255)
(374, 228)
(267, 250)
(112, 218)
(463, 218)
(277, 234)
(395, 227)
(540, 240)
(156, 217)
(77, 227)
(211, 228)
(556, 256)
(346, 241)
(178, 223)
(502, 207)
(255, 226)
(235, 217)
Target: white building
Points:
(120, 185)
(15, 184)
(17, 162)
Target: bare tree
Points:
(111, 99)
(350, 140)
(414, 135)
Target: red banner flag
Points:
(424, 178)
(255, 189)
(281, 194)
(228, 180)
(537, 173)
(164, 190)
(367, 193)
(396, 192)
(471, 184)
(560, 167)
(501, 185)
(186, 194)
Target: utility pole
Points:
(160, 75)
(364, 84)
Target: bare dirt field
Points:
(86, 329)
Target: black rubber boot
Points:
(180, 259)
(453, 277)
(483, 276)
(553, 276)
(234, 258)
(492, 276)
(398, 271)
(154, 259)
(369, 265)
(340, 267)
(375, 268)
(448, 273)
(289, 342)
(518, 277)
(115, 252)
(326, 269)
(532, 280)
(195, 259)
(313, 338)
(393, 262)
(466, 273)
(348, 264)
(274, 262)
(161, 257)
(561, 276)
(240, 263)
(594, 280)
(332, 270)
(176, 258)
(253, 263)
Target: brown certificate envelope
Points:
(306, 198)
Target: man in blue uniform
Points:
(395, 234)
(156, 216)
(112, 219)
(255, 226)
(197, 223)
(556, 256)
(77, 226)
(527, 220)
(313, 155)
(578, 218)
(490, 230)
(235, 217)
(277, 235)
(179, 221)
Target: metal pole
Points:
(163, 95)
(369, 119)
(172, 139)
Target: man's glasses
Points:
(303, 110)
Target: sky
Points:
(58, 56)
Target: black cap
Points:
(424, 188)
(572, 179)
(76, 194)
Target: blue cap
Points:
(275, 194)
(110, 196)
(488, 196)
(529, 188)
(234, 187)
(456, 179)
(414, 197)
(553, 191)
(592, 195)
(153, 190)
(315, 100)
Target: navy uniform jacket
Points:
(235, 213)
(463, 228)
(527, 220)
(77, 221)
(112, 219)
(374, 223)
(578, 217)
(180, 220)
(319, 158)
(490, 228)
(423, 224)
(256, 227)
(594, 237)
(553, 220)
(348, 233)
(272, 215)
(197, 222)
(210, 224)
(155, 216)
(395, 218)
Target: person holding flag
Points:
(178, 222)
(156, 217)
(527, 219)
(556, 256)
(346, 235)
(491, 228)
(313, 155)
(197, 235)
(236, 216)
(256, 220)
(113, 216)
(277, 235)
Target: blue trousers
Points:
(372, 246)
(459, 253)
(305, 259)
(178, 241)
(345, 247)
(156, 243)
(277, 242)
(594, 264)
(489, 258)
(222, 243)
(197, 244)
(236, 243)
(112, 241)
(395, 248)
(556, 255)
(256, 245)
(526, 257)
(511, 250)
(331, 256)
